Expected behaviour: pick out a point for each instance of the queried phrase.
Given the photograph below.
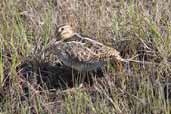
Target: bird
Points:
(80, 53)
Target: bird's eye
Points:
(62, 29)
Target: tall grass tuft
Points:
(135, 28)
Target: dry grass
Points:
(30, 85)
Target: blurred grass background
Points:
(133, 27)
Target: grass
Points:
(28, 85)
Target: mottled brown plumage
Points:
(81, 53)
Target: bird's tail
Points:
(133, 60)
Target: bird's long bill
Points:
(58, 42)
(58, 36)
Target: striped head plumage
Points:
(64, 32)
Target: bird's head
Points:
(65, 32)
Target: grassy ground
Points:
(30, 85)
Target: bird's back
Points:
(84, 56)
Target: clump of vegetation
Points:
(30, 85)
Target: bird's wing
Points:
(76, 51)
(87, 52)
(100, 49)
(97, 47)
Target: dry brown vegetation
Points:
(30, 85)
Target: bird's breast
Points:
(79, 65)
